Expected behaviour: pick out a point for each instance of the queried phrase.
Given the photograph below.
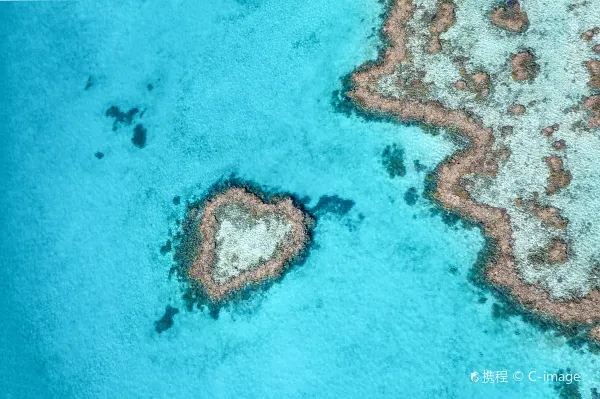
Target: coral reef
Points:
(549, 130)
(592, 103)
(543, 250)
(393, 161)
(511, 17)
(549, 215)
(559, 178)
(593, 68)
(443, 19)
(516, 109)
(589, 34)
(166, 321)
(557, 252)
(244, 240)
(559, 144)
(523, 65)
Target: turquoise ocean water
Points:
(381, 308)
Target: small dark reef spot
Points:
(150, 86)
(411, 196)
(123, 118)
(99, 155)
(166, 248)
(419, 167)
(393, 161)
(89, 83)
(176, 200)
(139, 136)
(166, 321)
(332, 204)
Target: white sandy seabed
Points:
(244, 242)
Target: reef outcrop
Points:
(511, 17)
(593, 67)
(559, 177)
(524, 66)
(244, 240)
(592, 103)
(589, 34)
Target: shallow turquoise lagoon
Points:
(381, 308)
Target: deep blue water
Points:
(382, 306)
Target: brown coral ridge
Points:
(592, 103)
(559, 177)
(500, 269)
(549, 215)
(593, 68)
(443, 19)
(201, 269)
(511, 18)
(523, 66)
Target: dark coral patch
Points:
(578, 341)
(150, 86)
(393, 161)
(411, 196)
(503, 311)
(166, 248)
(448, 217)
(176, 200)
(139, 136)
(419, 167)
(123, 118)
(89, 83)
(99, 155)
(566, 389)
(332, 204)
(340, 101)
(166, 321)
